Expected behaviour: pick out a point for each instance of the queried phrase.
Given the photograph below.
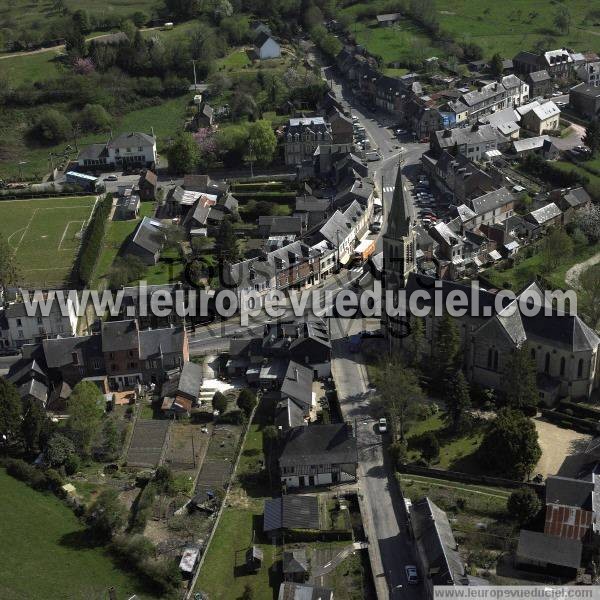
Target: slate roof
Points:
(301, 591)
(331, 444)
(59, 351)
(34, 388)
(262, 38)
(190, 380)
(297, 384)
(23, 369)
(281, 225)
(576, 197)
(586, 90)
(295, 561)
(565, 331)
(545, 214)
(148, 235)
(437, 544)
(546, 111)
(492, 200)
(133, 138)
(468, 136)
(532, 143)
(119, 335)
(539, 76)
(288, 414)
(154, 342)
(536, 546)
(292, 512)
(569, 492)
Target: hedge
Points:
(91, 242)
(585, 412)
(565, 420)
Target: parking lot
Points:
(430, 206)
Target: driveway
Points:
(574, 273)
(557, 444)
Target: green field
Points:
(30, 68)
(44, 234)
(505, 27)
(45, 555)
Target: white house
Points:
(131, 149)
(266, 46)
(18, 327)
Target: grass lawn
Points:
(456, 453)
(524, 272)
(166, 118)
(44, 555)
(30, 68)
(116, 233)
(235, 61)
(44, 235)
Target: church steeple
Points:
(399, 240)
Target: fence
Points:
(467, 477)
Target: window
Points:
(96, 364)
(547, 363)
(495, 360)
(562, 366)
(75, 358)
(39, 320)
(533, 353)
(580, 368)
(19, 323)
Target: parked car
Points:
(373, 156)
(111, 178)
(383, 425)
(412, 575)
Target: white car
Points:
(412, 575)
(111, 178)
(383, 425)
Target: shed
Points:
(254, 558)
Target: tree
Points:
(510, 445)
(164, 480)
(262, 141)
(458, 401)
(8, 267)
(106, 516)
(588, 221)
(10, 414)
(588, 296)
(183, 154)
(400, 393)
(445, 349)
(556, 247)
(94, 117)
(34, 417)
(497, 65)
(53, 127)
(521, 387)
(85, 413)
(59, 450)
(112, 439)
(219, 402)
(430, 446)
(523, 505)
(592, 136)
(226, 245)
(247, 401)
(415, 343)
(398, 453)
(562, 19)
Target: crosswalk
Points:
(388, 189)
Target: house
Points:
(266, 47)
(292, 227)
(258, 27)
(294, 565)
(559, 63)
(538, 550)
(21, 324)
(147, 185)
(205, 184)
(546, 216)
(301, 591)
(542, 144)
(205, 115)
(585, 100)
(190, 382)
(589, 73)
(540, 84)
(296, 386)
(315, 210)
(128, 150)
(388, 19)
(542, 118)
(573, 201)
(342, 130)
(506, 121)
(439, 562)
(472, 141)
(147, 241)
(291, 511)
(302, 137)
(288, 414)
(318, 455)
(128, 204)
(492, 207)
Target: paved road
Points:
(382, 508)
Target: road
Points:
(382, 509)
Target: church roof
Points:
(399, 217)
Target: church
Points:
(564, 348)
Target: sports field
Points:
(45, 236)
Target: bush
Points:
(219, 402)
(247, 401)
(140, 511)
(233, 417)
(52, 127)
(94, 117)
(132, 550)
(524, 505)
(71, 465)
(92, 240)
